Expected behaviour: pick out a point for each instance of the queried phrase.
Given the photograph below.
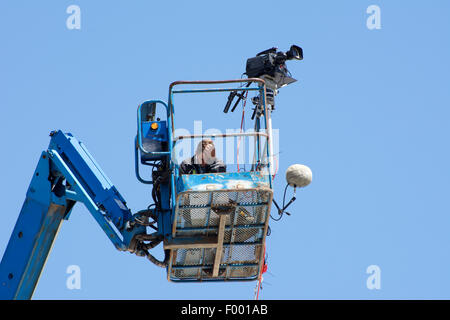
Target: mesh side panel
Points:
(194, 217)
(224, 197)
(261, 214)
(248, 197)
(188, 273)
(243, 235)
(208, 273)
(198, 214)
(226, 254)
(246, 215)
(242, 254)
(188, 257)
(243, 272)
(192, 257)
(189, 233)
(248, 235)
(254, 196)
(209, 256)
(224, 203)
(213, 219)
(203, 209)
(194, 199)
(227, 236)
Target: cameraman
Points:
(203, 161)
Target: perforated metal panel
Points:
(219, 235)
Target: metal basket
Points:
(219, 235)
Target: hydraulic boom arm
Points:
(66, 173)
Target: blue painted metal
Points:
(141, 133)
(136, 164)
(32, 237)
(165, 215)
(145, 133)
(158, 134)
(82, 193)
(162, 134)
(48, 201)
(78, 166)
(222, 181)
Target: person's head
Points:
(206, 152)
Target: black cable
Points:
(146, 224)
(152, 244)
(280, 211)
(162, 264)
(155, 189)
(153, 164)
(284, 195)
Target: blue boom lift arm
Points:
(66, 173)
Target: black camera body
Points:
(272, 62)
(260, 65)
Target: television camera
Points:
(269, 65)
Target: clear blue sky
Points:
(369, 114)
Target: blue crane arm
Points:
(65, 174)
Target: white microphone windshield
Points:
(298, 175)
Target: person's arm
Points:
(218, 166)
(186, 167)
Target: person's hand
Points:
(209, 154)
